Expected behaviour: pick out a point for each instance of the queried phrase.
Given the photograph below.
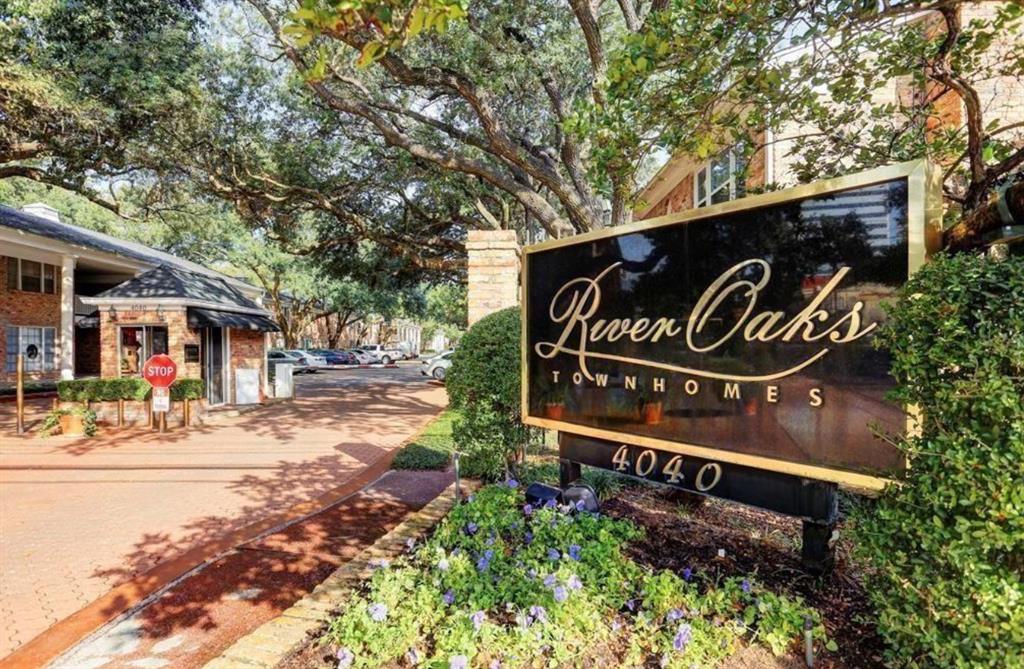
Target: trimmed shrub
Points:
(126, 388)
(187, 389)
(483, 384)
(946, 547)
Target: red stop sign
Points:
(160, 371)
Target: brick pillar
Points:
(493, 272)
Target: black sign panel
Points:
(792, 495)
(743, 337)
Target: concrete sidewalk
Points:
(81, 518)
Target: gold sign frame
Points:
(924, 236)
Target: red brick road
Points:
(80, 517)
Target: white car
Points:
(362, 357)
(315, 362)
(437, 367)
(385, 354)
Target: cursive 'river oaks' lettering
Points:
(576, 304)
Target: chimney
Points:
(42, 210)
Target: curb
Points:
(274, 641)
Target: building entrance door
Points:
(215, 356)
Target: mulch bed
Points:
(686, 531)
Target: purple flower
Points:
(574, 552)
(554, 555)
(458, 662)
(550, 581)
(345, 658)
(477, 619)
(539, 613)
(561, 594)
(687, 574)
(682, 637)
(631, 604)
(413, 657)
(616, 625)
(550, 504)
(442, 564)
(745, 586)
(581, 505)
(482, 564)
(574, 582)
(471, 529)
(532, 573)
(490, 540)
(528, 537)
(512, 483)
(673, 615)
(378, 612)
(527, 509)
(449, 597)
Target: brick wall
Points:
(247, 352)
(493, 276)
(19, 307)
(178, 334)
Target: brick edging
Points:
(276, 640)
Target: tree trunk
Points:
(968, 233)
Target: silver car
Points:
(437, 367)
(314, 362)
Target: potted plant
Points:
(650, 407)
(554, 402)
(73, 422)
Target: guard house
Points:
(79, 303)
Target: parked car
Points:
(314, 362)
(363, 357)
(386, 354)
(437, 367)
(274, 357)
(335, 357)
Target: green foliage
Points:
(187, 389)
(432, 449)
(483, 384)
(947, 544)
(124, 388)
(500, 581)
(103, 390)
(51, 422)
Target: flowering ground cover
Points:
(502, 584)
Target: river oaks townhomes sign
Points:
(731, 338)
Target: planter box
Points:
(135, 414)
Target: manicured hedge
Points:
(128, 388)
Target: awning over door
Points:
(201, 318)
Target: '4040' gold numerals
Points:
(707, 476)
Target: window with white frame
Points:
(31, 276)
(35, 343)
(722, 178)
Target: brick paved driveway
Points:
(79, 517)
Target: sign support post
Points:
(20, 405)
(160, 371)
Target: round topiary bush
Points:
(945, 547)
(484, 385)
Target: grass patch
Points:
(432, 449)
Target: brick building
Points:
(75, 303)
(685, 182)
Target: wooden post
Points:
(20, 393)
(149, 412)
(163, 421)
(120, 412)
(187, 411)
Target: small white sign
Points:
(161, 399)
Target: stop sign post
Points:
(160, 371)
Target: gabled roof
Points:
(176, 284)
(74, 235)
